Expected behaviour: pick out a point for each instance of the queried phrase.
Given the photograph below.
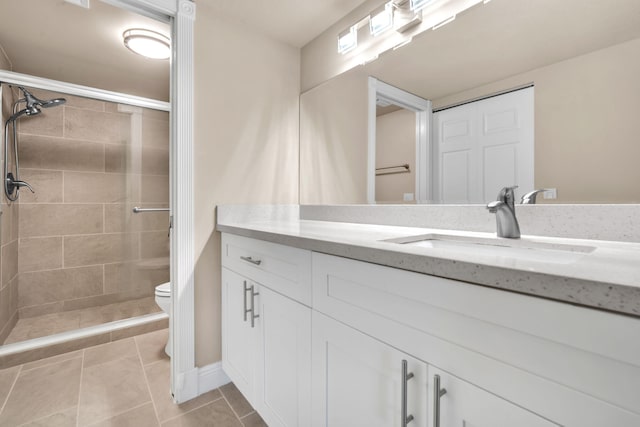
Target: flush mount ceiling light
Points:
(147, 43)
(381, 19)
(348, 40)
(417, 5)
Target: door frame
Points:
(181, 14)
(422, 107)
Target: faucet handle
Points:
(507, 195)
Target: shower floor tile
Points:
(49, 324)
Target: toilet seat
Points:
(164, 290)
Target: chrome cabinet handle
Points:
(246, 310)
(251, 260)
(405, 419)
(437, 394)
(254, 316)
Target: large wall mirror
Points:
(577, 61)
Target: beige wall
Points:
(333, 141)
(395, 145)
(586, 124)
(246, 143)
(80, 245)
(5, 63)
(8, 242)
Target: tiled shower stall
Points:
(73, 253)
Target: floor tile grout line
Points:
(49, 363)
(194, 409)
(80, 388)
(146, 380)
(245, 416)
(119, 413)
(231, 407)
(42, 418)
(15, 380)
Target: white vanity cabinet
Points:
(266, 342)
(332, 337)
(360, 381)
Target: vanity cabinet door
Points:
(465, 405)
(358, 381)
(238, 337)
(283, 385)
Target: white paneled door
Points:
(483, 146)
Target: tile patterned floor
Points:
(119, 384)
(49, 324)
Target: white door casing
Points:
(482, 146)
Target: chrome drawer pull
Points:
(406, 419)
(254, 316)
(437, 394)
(246, 289)
(251, 260)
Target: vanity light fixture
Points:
(381, 19)
(416, 5)
(348, 40)
(147, 43)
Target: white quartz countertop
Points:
(605, 277)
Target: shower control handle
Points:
(13, 184)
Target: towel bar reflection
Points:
(143, 210)
(389, 170)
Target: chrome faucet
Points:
(505, 211)
(530, 197)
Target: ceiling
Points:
(294, 22)
(61, 41)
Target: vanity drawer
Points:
(530, 351)
(283, 269)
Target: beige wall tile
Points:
(47, 185)
(8, 327)
(5, 306)
(39, 253)
(42, 287)
(96, 126)
(15, 222)
(155, 114)
(9, 262)
(47, 123)
(154, 244)
(100, 249)
(40, 310)
(155, 161)
(59, 219)
(6, 221)
(88, 187)
(155, 133)
(57, 388)
(40, 152)
(116, 157)
(154, 189)
(128, 277)
(102, 300)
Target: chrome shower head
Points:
(34, 102)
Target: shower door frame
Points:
(186, 382)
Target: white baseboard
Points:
(211, 377)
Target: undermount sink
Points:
(524, 249)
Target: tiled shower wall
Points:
(8, 244)
(90, 162)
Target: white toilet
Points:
(163, 299)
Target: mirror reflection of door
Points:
(483, 146)
(395, 153)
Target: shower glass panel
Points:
(74, 254)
